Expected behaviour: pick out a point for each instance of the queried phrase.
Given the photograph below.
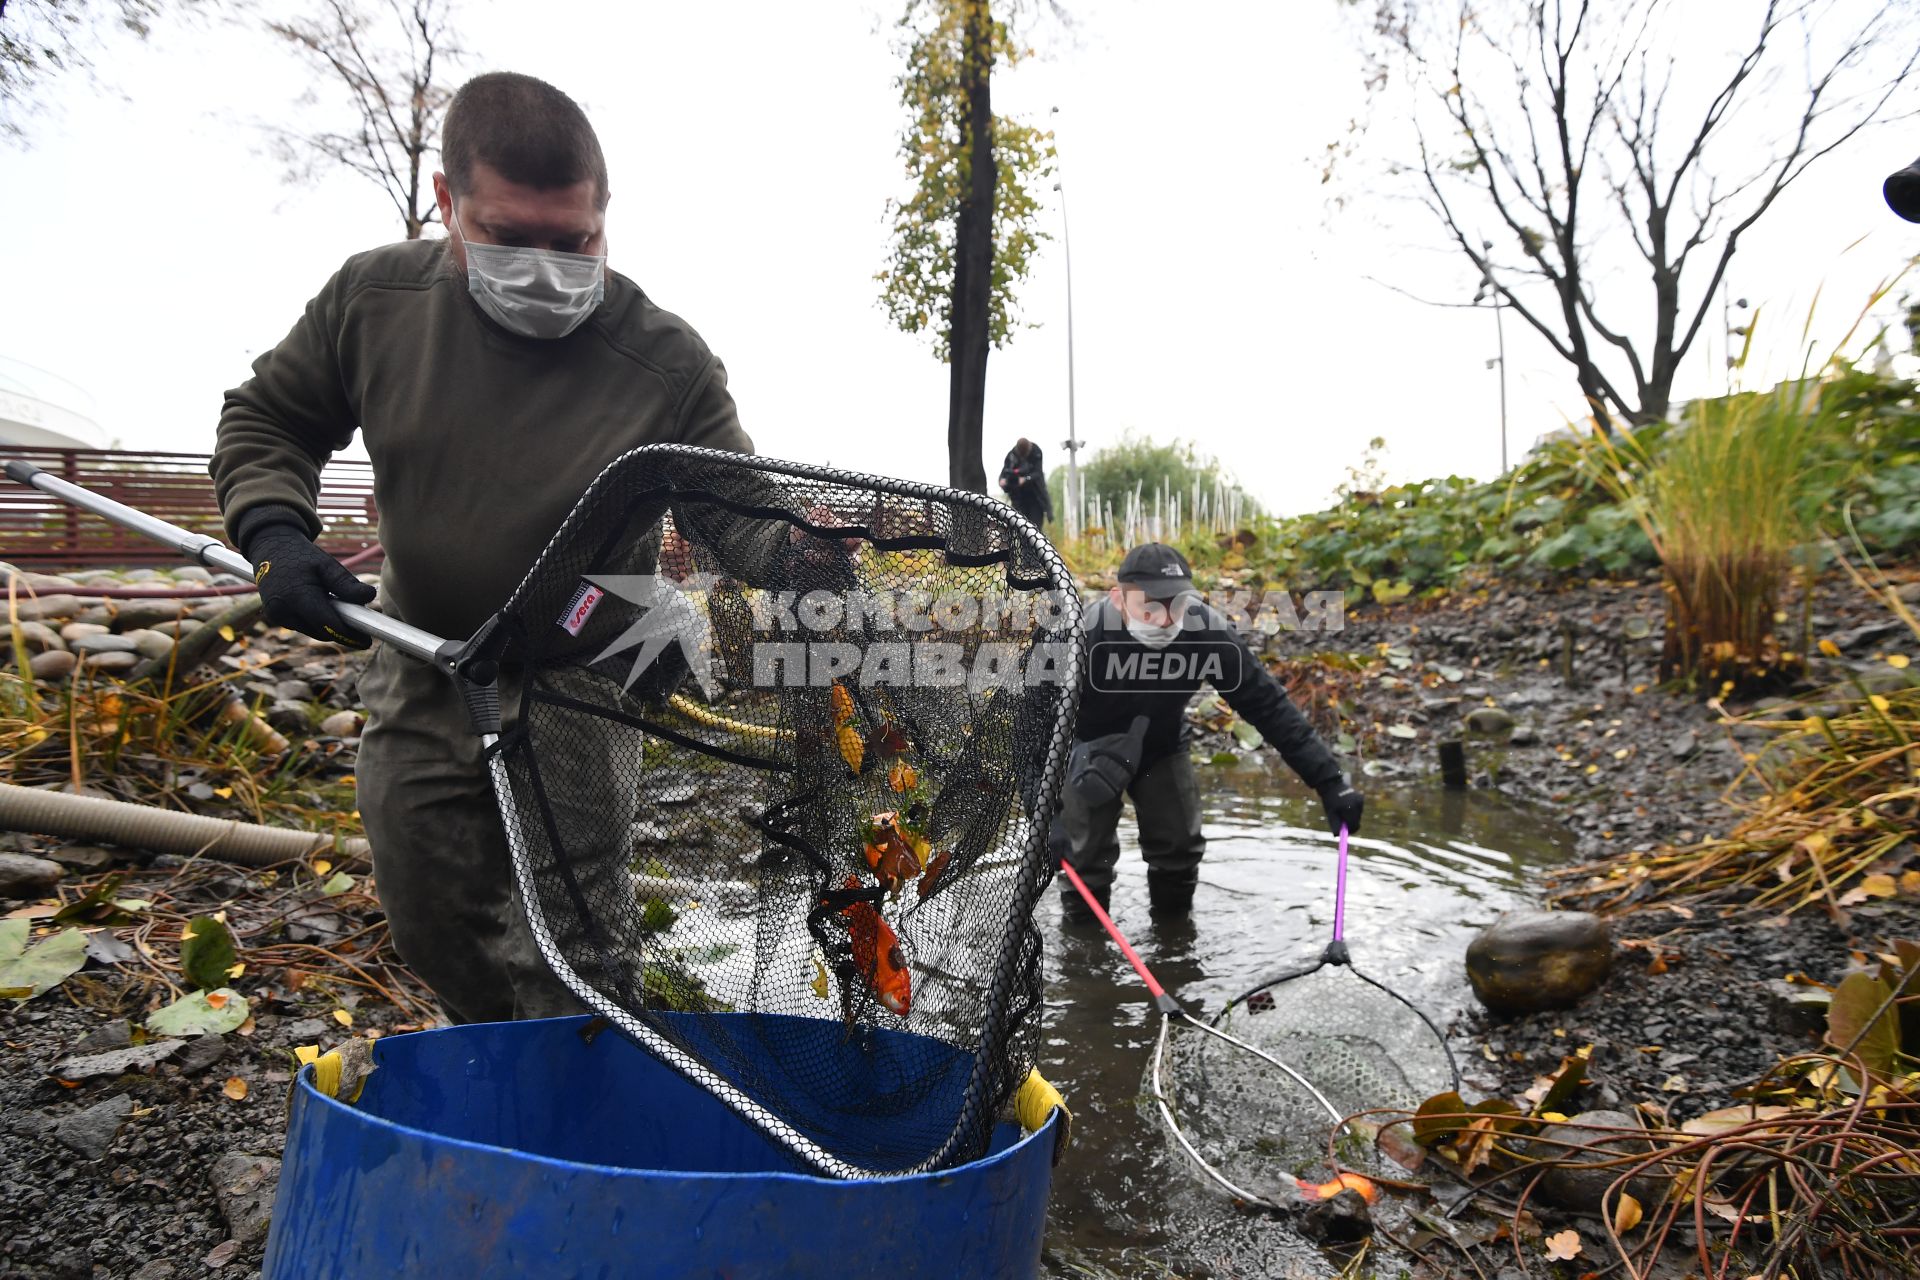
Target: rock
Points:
(192, 573)
(85, 857)
(201, 1053)
(1909, 592)
(149, 644)
(1871, 636)
(1682, 745)
(117, 1034)
(54, 664)
(140, 575)
(1532, 960)
(244, 1186)
(92, 1131)
(138, 615)
(22, 876)
(115, 1062)
(112, 661)
(100, 642)
(1489, 722)
(341, 724)
(74, 630)
(1569, 1185)
(156, 1269)
(48, 607)
(1524, 735)
(290, 717)
(98, 615)
(40, 637)
(209, 611)
(307, 1028)
(1339, 1219)
(1797, 1009)
(178, 627)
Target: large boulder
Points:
(1527, 961)
(1575, 1147)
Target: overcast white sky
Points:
(151, 250)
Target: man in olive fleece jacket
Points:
(492, 375)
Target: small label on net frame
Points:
(581, 608)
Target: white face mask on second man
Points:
(1160, 635)
(536, 293)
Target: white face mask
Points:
(536, 293)
(1151, 636)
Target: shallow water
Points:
(1431, 869)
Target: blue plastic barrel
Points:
(524, 1149)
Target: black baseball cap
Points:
(1157, 570)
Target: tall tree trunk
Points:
(968, 337)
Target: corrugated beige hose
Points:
(137, 826)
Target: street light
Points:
(1073, 437)
(1488, 288)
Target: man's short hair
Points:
(524, 129)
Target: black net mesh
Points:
(773, 791)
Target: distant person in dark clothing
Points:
(1024, 480)
(1150, 646)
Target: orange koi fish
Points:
(1341, 1182)
(876, 954)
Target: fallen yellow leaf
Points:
(226, 633)
(1910, 882)
(1898, 661)
(1626, 1215)
(1829, 648)
(235, 1088)
(1879, 885)
(1565, 1246)
(1880, 704)
(342, 1017)
(306, 1053)
(216, 999)
(321, 866)
(237, 968)
(225, 793)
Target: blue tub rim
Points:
(313, 1096)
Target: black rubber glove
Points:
(1343, 806)
(298, 581)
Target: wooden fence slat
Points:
(40, 532)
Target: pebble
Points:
(74, 630)
(244, 1186)
(192, 573)
(1524, 735)
(85, 857)
(92, 1131)
(149, 644)
(341, 724)
(46, 607)
(40, 637)
(201, 1053)
(112, 661)
(54, 664)
(178, 626)
(137, 615)
(100, 642)
(115, 1062)
(22, 876)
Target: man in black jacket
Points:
(1023, 477)
(1151, 645)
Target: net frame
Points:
(992, 1076)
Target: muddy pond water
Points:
(1431, 869)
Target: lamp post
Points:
(1489, 289)
(1073, 437)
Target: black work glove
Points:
(298, 581)
(1343, 806)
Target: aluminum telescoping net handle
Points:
(215, 554)
(1340, 891)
